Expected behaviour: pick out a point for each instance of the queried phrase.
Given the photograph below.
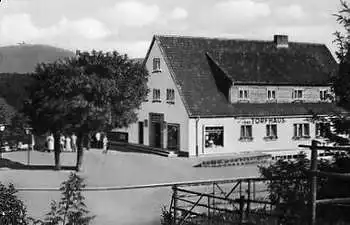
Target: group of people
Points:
(67, 143)
(101, 142)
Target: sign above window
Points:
(262, 120)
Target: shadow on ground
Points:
(6, 163)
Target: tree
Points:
(89, 92)
(291, 192)
(12, 209)
(71, 209)
(341, 82)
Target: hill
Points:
(23, 58)
(15, 62)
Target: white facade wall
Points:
(232, 144)
(173, 113)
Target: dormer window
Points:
(243, 95)
(297, 94)
(156, 65)
(271, 95)
(323, 95)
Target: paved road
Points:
(131, 207)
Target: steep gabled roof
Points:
(243, 62)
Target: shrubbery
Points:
(69, 210)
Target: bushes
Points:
(292, 194)
(12, 209)
(69, 210)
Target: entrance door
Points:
(156, 133)
(174, 137)
(141, 133)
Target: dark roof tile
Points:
(243, 61)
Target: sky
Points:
(128, 25)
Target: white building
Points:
(216, 96)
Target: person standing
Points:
(105, 144)
(98, 139)
(74, 142)
(62, 142)
(68, 144)
(32, 144)
(50, 143)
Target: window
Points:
(156, 65)
(301, 130)
(246, 133)
(156, 95)
(214, 136)
(170, 96)
(323, 95)
(271, 131)
(243, 95)
(297, 94)
(322, 129)
(271, 94)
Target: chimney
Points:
(281, 41)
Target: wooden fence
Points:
(237, 202)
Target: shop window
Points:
(243, 95)
(301, 130)
(214, 136)
(322, 129)
(297, 94)
(156, 95)
(246, 133)
(170, 96)
(271, 95)
(156, 65)
(323, 95)
(271, 132)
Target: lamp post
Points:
(2, 128)
(27, 130)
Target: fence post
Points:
(209, 209)
(175, 203)
(248, 200)
(241, 208)
(313, 191)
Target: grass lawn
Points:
(129, 207)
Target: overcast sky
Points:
(128, 25)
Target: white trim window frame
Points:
(246, 133)
(243, 94)
(156, 95)
(170, 96)
(271, 94)
(156, 65)
(271, 132)
(298, 94)
(301, 131)
(323, 95)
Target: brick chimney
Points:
(281, 41)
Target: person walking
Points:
(74, 142)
